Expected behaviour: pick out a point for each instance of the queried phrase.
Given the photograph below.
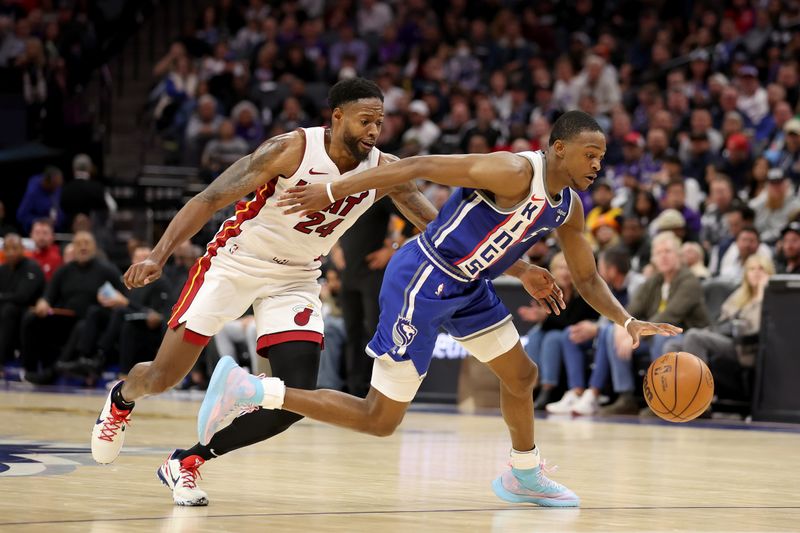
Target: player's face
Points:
(583, 155)
(361, 123)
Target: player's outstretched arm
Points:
(408, 199)
(582, 266)
(502, 173)
(277, 156)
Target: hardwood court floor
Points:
(434, 474)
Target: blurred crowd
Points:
(697, 204)
(46, 47)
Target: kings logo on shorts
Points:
(403, 332)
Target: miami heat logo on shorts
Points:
(303, 314)
(403, 332)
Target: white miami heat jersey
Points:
(260, 230)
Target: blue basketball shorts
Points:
(417, 299)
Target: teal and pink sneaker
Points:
(233, 389)
(533, 486)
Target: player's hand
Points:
(540, 284)
(638, 329)
(304, 199)
(142, 273)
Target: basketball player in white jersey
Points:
(262, 258)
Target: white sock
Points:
(274, 392)
(525, 460)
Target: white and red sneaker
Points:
(180, 476)
(109, 431)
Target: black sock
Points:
(118, 400)
(198, 449)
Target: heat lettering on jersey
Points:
(317, 222)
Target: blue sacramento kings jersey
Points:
(474, 238)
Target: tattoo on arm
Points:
(247, 174)
(414, 205)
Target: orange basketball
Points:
(678, 386)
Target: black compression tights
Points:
(297, 364)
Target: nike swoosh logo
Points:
(99, 421)
(315, 173)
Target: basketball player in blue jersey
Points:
(505, 202)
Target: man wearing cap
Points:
(422, 129)
(775, 206)
(84, 195)
(752, 99)
(789, 158)
(737, 161)
(670, 220)
(790, 249)
(628, 173)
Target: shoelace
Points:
(250, 407)
(544, 471)
(114, 421)
(190, 473)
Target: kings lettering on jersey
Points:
(473, 237)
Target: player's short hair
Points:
(572, 123)
(351, 90)
(617, 257)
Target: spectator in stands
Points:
(614, 267)
(422, 129)
(292, 115)
(348, 45)
(373, 17)
(670, 220)
(484, 123)
(602, 197)
(775, 207)
(203, 126)
(600, 81)
(693, 257)
(42, 199)
(628, 173)
(142, 325)
(332, 358)
(21, 284)
(5, 227)
(73, 289)
(247, 124)
(748, 242)
(223, 151)
(84, 195)
(643, 206)
(634, 239)
(675, 198)
(732, 342)
(758, 178)
(752, 99)
(605, 232)
(719, 201)
(790, 249)
(788, 159)
(737, 160)
(46, 253)
(544, 339)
